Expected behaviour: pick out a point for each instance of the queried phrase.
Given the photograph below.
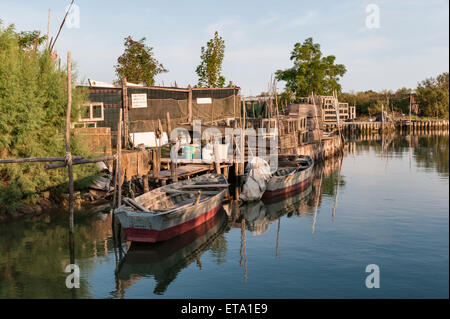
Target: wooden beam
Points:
(80, 161)
(37, 159)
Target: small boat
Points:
(293, 174)
(172, 210)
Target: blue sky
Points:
(411, 44)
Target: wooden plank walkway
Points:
(184, 171)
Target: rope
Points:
(67, 158)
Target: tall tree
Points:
(312, 72)
(433, 96)
(209, 69)
(137, 63)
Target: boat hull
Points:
(140, 226)
(155, 235)
(283, 191)
(284, 185)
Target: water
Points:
(385, 203)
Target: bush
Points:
(33, 101)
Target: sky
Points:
(411, 42)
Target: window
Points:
(83, 124)
(92, 112)
(85, 113)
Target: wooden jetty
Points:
(376, 127)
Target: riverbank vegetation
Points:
(33, 104)
(430, 99)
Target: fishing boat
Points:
(172, 210)
(293, 174)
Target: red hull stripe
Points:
(151, 235)
(282, 191)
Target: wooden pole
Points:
(155, 163)
(52, 45)
(321, 148)
(216, 157)
(169, 128)
(336, 107)
(37, 159)
(276, 97)
(48, 30)
(410, 110)
(119, 158)
(317, 201)
(189, 104)
(68, 154)
(212, 109)
(337, 186)
(234, 102)
(278, 236)
(125, 110)
(244, 125)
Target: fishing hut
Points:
(153, 119)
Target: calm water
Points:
(385, 203)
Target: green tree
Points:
(137, 63)
(27, 39)
(33, 103)
(433, 97)
(209, 69)
(312, 72)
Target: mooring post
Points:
(119, 158)
(189, 104)
(69, 156)
(125, 110)
(169, 127)
(216, 157)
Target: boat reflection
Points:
(165, 260)
(258, 215)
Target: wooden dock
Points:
(376, 127)
(185, 171)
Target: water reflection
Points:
(34, 252)
(163, 261)
(427, 150)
